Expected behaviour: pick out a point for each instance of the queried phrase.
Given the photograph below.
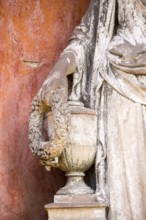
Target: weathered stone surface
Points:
(114, 83)
(88, 198)
(78, 211)
(110, 76)
(32, 35)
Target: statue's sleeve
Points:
(82, 44)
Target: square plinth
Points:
(87, 198)
(76, 211)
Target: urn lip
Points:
(82, 110)
(77, 107)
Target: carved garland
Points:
(49, 152)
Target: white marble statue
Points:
(107, 56)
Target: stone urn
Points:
(79, 154)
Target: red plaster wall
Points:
(31, 32)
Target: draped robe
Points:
(110, 50)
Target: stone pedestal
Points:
(76, 207)
(76, 211)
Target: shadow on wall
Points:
(33, 33)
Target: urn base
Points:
(75, 185)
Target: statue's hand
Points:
(57, 79)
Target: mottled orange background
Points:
(32, 34)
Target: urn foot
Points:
(75, 185)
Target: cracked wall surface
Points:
(32, 35)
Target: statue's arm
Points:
(56, 80)
(42, 103)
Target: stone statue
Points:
(107, 58)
